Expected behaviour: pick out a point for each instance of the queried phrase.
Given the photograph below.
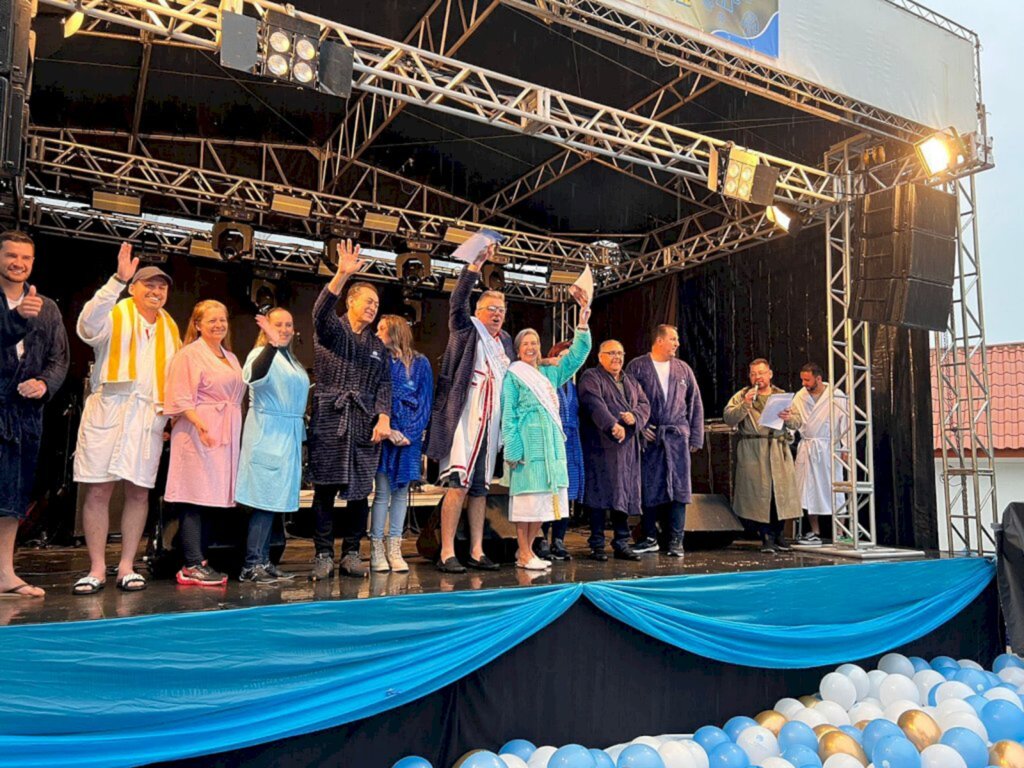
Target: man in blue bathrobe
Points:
(674, 431)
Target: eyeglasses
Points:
(613, 354)
(496, 310)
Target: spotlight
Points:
(263, 295)
(290, 48)
(413, 267)
(412, 311)
(231, 239)
(788, 219)
(492, 277)
(739, 174)
(73, 23)
(116, 202)
(941, 152)
(381, 222)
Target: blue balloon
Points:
(737, 725)
(993, 678)
(978, 702)
(944, 661)
(571, 756)
(602, 759)
(876, 731)
(949, 672)
(521, 748)
(802, 757)
(855, 733)
(484, 759)
(797, 734)
(727, 755)
(1005, 660)
(641, 756)
(968, 745)
(710, 737)
(973, 679)
(413, 761)
(895, 752)
(1008, 686)
(920, 665)
(1003, 720)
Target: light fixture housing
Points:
(116, 202)
(563, 277)
(289, 49)
(785, 218)
(941, 153)
(739, 173)
(292, 206)
(232, 240)
(380, 222)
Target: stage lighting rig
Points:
(492, 277)
(942, 152)
(413, 267)
(738, 173)
(787, 218)
(231, 237)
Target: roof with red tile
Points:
(1006, 383)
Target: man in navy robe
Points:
(33, 363)
(613, 412)
(674, 431)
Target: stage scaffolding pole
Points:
(849, 366)
(964, 397)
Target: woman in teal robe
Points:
(270, 465)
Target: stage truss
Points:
(421, 70)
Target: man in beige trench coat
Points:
(765, 490)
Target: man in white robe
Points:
(120, 437)
(814, 452)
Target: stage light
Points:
(202, 249)
(492, 277)
(941, 152)
(231, 239)
(293, 206)
(290, 48)
(449, 284)
(263, 295)
(278, 65)
(456, 236)
(739, 173)
(73, 23)
(116, 202)
(302, 72)
(789, 220)
(305, 49)
(413, 267)
(280, 42)
(381, 223)
(561, 277)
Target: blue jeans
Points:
(384, 501)
(557, 528)
(257, 545)
(672, 517)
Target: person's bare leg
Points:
(815, 524)
(133, 523)
(533, 534)
(96, 522)
(451, 511)
(525, 552)
(8, 578)
(477, 515)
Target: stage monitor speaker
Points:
(905, 302)
(909, 206)
(13, 121)
(908, 253)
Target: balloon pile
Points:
(908, 713)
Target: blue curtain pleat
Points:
(124, 692)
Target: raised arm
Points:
(576, 357)
(94, 322)
(326, 323)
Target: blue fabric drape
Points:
(127, 692)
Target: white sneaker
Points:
(809, 540)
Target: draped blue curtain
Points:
(124, 692)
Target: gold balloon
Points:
(821, 730)
(860, 725)
(836, 742)
(809, 700)
(771, 720)
(920, 728)
(1006, 754)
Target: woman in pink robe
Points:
(204, 393)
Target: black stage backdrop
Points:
(769, 302)
(589, 679)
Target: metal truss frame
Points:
(849, 363)
(400, 71)
(964, 396)
(622, 24)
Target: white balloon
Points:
(898, 707)
(927, 679)
(834, 713)
(774, 762)
(540, 758)
(896, 664)
(809, 717)
(865, 710)
(1012, 675)
(871, 700)
(941, 756)
(896, 687)
(970, 664)
(964, 720)
(951, 706)
(613, 752)
(842, 760)
(758, 742)
(1005, 694)
(513, 761)
(789, 707)
(875, 678)
(675, 755)
(651, 741)
(952, 689)
(838, 688)
(700, 757)
(859, 678)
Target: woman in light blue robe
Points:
(270, 465)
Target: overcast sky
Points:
(1001, 204)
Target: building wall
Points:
(1009, 488)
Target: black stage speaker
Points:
(906, 258)
(16, 44)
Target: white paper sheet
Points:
(470, 250)
(584, 287)
(776, 404)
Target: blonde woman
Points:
(204, 391)
(270, 469)
(401, 459)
